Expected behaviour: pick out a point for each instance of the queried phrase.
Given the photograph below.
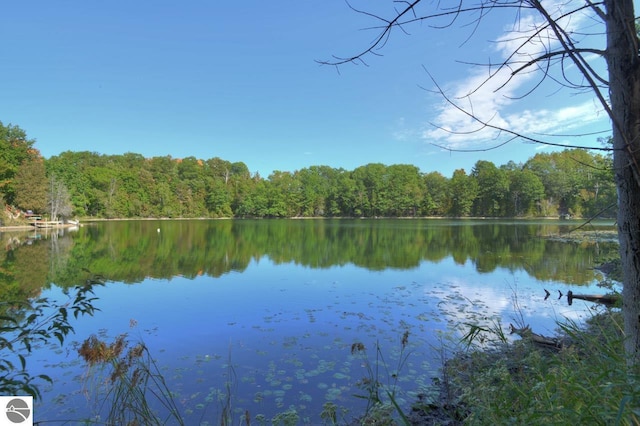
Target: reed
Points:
(135, 391)
(381, 397)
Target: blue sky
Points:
(240, 81)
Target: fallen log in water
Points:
(526, 333)
(605, 299)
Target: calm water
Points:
(273, 307)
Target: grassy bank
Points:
(585, 381)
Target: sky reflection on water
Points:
(288, 330)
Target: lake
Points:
(261, 316)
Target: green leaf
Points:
(623, 403)
(23, 361)
(7, 365)
(7, 318)
(404, 417)
(45, 378)
(60, 336)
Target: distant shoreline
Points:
(124, 219)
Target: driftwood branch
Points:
(526, 333)
(605, 299)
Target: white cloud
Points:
(495, 100)
(549, 121)
(400, 131)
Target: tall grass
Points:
(587, 381)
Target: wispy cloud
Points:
(495, 98)
(401, 131)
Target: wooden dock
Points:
(47, 224)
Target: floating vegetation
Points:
(290, 341)
(312, 373)
(302, 396)
(324, 366)
(333, 394)
(300, 373)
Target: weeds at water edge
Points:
(587, 381)
(379, 409)
(133, 378)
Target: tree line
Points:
(572, 182)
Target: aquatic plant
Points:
(378, 407)
(226, 418)
(286, 418)
(135, 391)
(329, 413)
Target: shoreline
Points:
(30, 227)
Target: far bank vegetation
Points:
(569, 183)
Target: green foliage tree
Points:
(404, 190)
(164, 202)
(90, 178)
(526, 191)
(370, 197)
(283, 194)
(571, 178)
(219, 199)
(249, 196)
(437, 201)
(315, 184)
(30, 185)
(15, 149)
(603, 201)
(463, 190)
(493, 189)
(341, 198)
(192, 185)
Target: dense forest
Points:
(572, 182)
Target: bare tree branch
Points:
(485, 124)
(389, 24)
(519, 60)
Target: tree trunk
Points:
(624, 93)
